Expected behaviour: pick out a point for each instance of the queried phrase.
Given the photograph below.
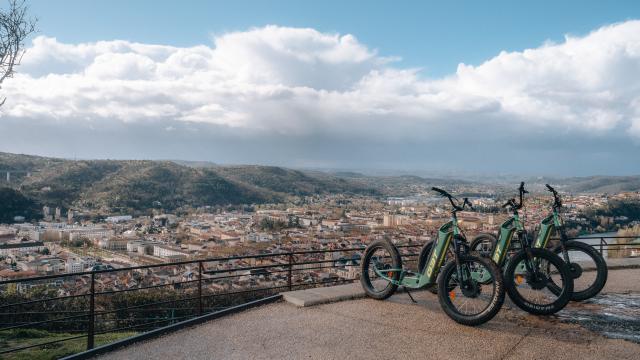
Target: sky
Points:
(536, 88)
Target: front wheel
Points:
(528, 281)
(380, 257)
(469, 301)
(588, 269)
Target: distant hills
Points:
(603, 184)
(136, 185)
(125, 186)
(588, 184)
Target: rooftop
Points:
(395, 328)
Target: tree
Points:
(15, 27)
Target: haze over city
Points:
(415, 87)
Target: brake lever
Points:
(467, 202)
(508, 203)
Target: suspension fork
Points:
(563, 240)
(456, 256)
(526, 245)
(559, 224)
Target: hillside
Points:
(603, 184)
(126, 185)
(13, 203)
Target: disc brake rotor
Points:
(537, 281)
(470, 288)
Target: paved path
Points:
(392, 329)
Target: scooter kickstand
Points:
(411, 296)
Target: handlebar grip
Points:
(467, 202)
(550, 188)
(521, 188)
(508, 203)
(440, 191)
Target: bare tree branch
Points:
(15, 27)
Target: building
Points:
(22, 247)
(140, 247)
(132, 246)
(165, 220)
(167, 252)
(391, 220)
(113, 243)
(117, 219)
(89, 233)
(75, 265)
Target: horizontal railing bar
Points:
(272, 288)
(42, 344)
(244, 291)
(73, 312)
(145, 324)
(43, 300)
(187, 262)
(143, 305)
(259, 267)
(145, 287)
(43, 322)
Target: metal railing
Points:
(136, 299)
(603, 245)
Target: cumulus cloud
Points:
(299, 82)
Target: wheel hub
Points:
(576, 270)
(537, 281)
(470, 289)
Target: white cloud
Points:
(298, 81)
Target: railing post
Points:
(289, 277)
(92, 313)
(200, 287)
(601, 241)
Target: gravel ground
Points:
(392, 329)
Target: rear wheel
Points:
(530, 289)
(380, 255)
(484, 244)
(469, 301)
(588, 270)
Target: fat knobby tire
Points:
(496, 301)
(532, 308)
(601, 268)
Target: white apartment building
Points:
(91, 233)
(117, 219)
(391, 220)
(164, 251)
(23, 247)
(75, 265)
